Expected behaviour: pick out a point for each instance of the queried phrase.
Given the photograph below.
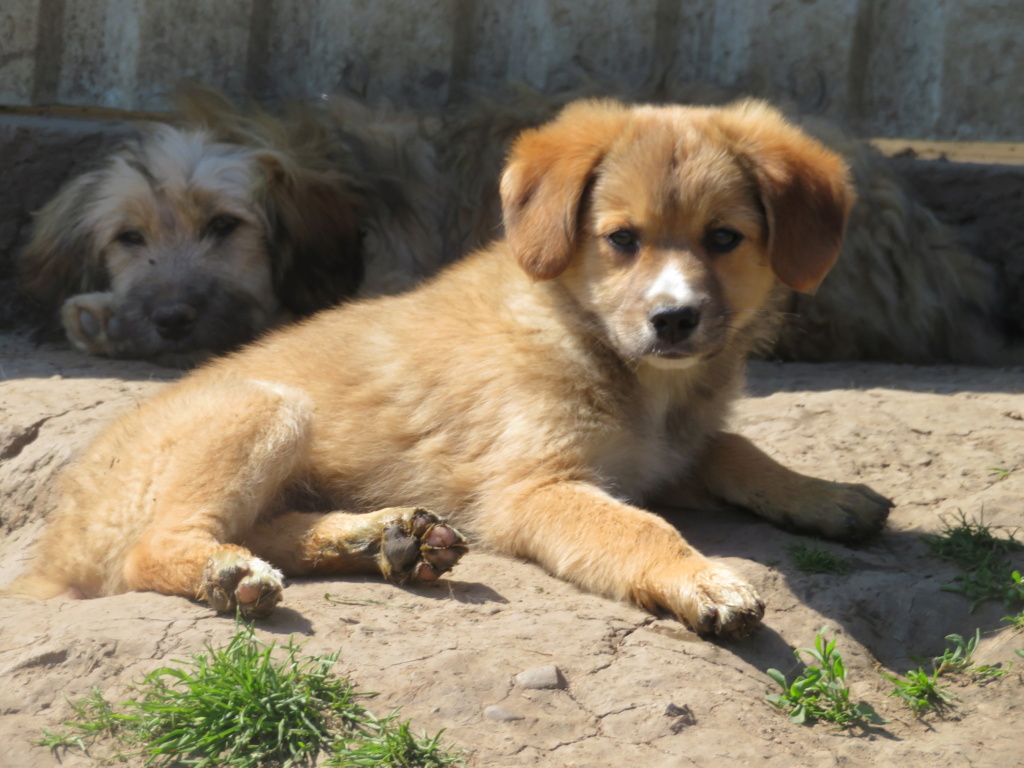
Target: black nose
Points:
(175, 321)
(675, 324)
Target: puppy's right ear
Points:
(64, 255)
(804, 187)
(545, 179)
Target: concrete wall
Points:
(938, 69)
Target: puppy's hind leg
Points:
(404, 544)
(231, 451)
(226, 576)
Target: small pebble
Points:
(539, 678)
(501, 714)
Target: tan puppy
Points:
(533, 393)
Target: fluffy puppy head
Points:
(673, 226)
(196, 245)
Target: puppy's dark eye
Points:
(624, 240)
(221, 226)
(131, 237)
(722, 240)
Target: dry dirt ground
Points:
(449, 654)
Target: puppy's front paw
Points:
(841, 511)
(234, 579)
(711, 600)
(419, 546)
(87, 320)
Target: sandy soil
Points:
(449, 654)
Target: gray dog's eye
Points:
(131, 237)
(221, 226)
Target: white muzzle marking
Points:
(671, 288)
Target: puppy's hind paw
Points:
(234, 579)
(419, 546)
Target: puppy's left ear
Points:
(805, 189)
(315, 240)
(545, 179)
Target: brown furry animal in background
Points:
(185, 244)
(535, 393)
(904, 290)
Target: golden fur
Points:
(188, 241)
(534, 393)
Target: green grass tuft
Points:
(816, 559)
(248, 705)
(983, 557)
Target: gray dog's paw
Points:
(89, 321)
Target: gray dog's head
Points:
(181, 246)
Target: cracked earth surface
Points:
(639, 690)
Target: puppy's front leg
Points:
(736, 470)
(581, 534)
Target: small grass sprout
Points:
(922, 692)
(1014, 591)
(248, 705)
(983, 557)
(393, 745)
(812, 558)
(820, 692)
(999, 473)
(95, 719)
(1016, 620)
(960, 659)
(56, 741)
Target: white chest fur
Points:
(665, 423)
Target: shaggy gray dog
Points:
(184, 245)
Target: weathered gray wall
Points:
(940, 69)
